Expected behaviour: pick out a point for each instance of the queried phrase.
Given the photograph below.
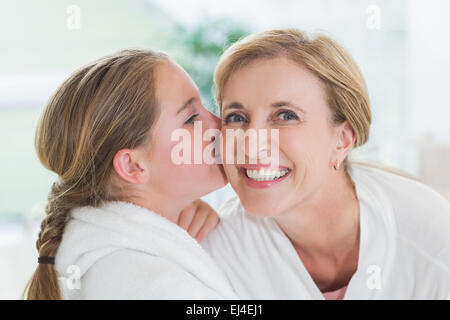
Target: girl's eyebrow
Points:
(187, 104)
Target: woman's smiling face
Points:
(280, 94)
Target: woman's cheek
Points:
(291, 144)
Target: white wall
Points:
(429, 68)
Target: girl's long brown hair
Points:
(101, 108)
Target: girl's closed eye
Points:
(191, 119)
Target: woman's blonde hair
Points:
(101, 108)
(346, 90)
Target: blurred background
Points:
(402, 47)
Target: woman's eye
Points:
(191, 119)
(234, 118)
(287, 115)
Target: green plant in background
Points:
(198, 49)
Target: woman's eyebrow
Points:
(280, 104)
(233, 105)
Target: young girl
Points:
(111, 230)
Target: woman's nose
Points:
(258, 144)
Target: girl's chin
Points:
(222, 172)
(216, 180)
(218, 174)
(223, 181)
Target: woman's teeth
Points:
(265, 175)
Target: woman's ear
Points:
(346, 140)
(130, 166)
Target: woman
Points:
(310, 227)
(111, 226)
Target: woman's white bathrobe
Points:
(404, 246)
(123, 251)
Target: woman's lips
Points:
(266, 183)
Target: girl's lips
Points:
(261, 184)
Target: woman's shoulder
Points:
(400, 187)
(421, 215)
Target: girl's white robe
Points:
(404, 245)
(123, 251)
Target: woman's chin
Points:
(260, 207)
